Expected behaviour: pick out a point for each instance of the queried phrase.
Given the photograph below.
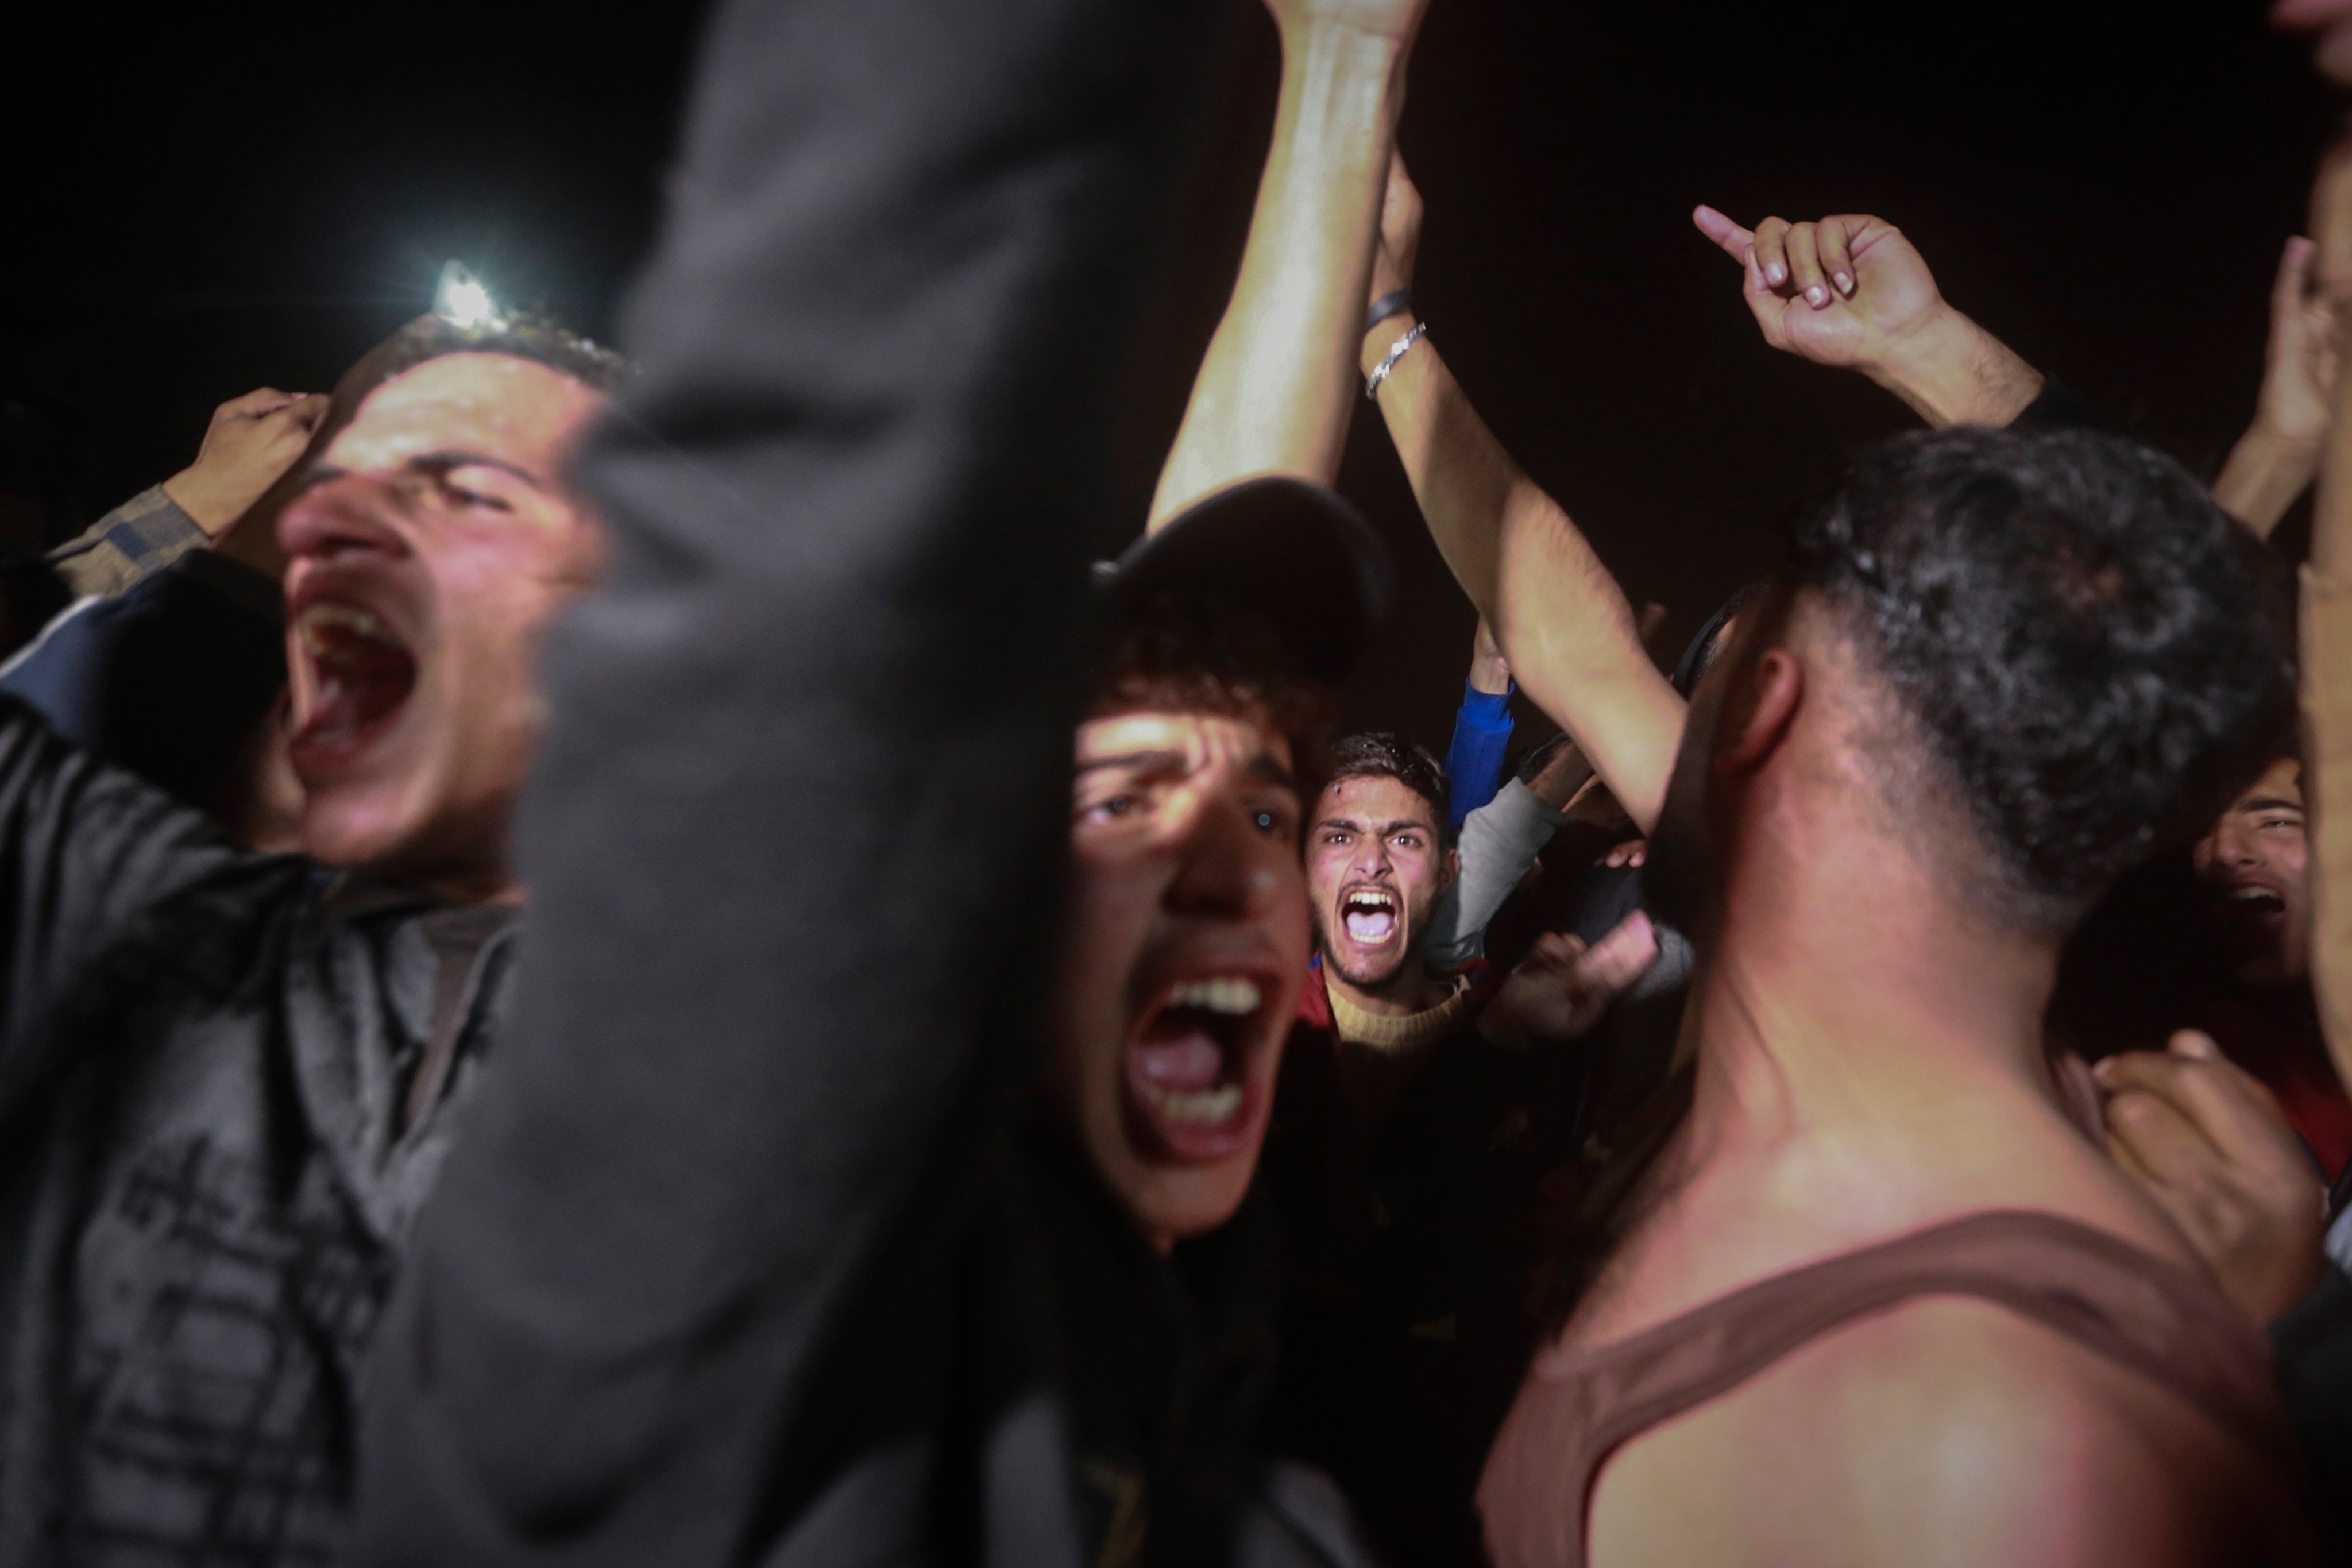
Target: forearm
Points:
(1500, 841)
(1950, 371)
(1564, 625)
(1473, 762)
(1273, 395)
(134, 541)
(2263, 476)
(2326, 694)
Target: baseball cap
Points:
(1289, 549)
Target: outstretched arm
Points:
(2279, 453)
(1274, 396)
(1851, 293)
(1571, 636)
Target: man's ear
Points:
(1768, 704)
(1452, 870)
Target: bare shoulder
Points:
(1946, 1430)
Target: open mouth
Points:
(1187, 1088)
(1368, 916)
(2253, 900)
(362, 677)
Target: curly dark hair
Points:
(2090, 648)
(1384, 753)
(1190, 654)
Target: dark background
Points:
(201, 200)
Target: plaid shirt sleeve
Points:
(136, 539)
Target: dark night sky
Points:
(202, 199)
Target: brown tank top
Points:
(1578, 1406)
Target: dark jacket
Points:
(206, 1189)
(740, 1260)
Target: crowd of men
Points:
(982, 1073)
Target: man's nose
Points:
(2233, 845)
(338, 518)
(1228, 866)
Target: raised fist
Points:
(251, 441)
(1847, 290)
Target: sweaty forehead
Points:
(1373, 798)
(500, 406)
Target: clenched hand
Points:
(251, 442)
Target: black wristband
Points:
(1394, 303)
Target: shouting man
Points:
(233, 1076)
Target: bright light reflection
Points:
(462, 300)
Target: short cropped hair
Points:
(539, 339)
(1185, 654)
(1384, 753)
(2090, 647)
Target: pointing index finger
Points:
(1733, 239)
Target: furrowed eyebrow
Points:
(1267, 768)
(1149, 761)
(2272, 804)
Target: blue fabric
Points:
(1474, 763)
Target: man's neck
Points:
(1412, 989)
(1852, 1015)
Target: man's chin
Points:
(353, 824)
(1170, 1203)
(1368, 971)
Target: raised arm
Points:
(1567, 629)
(687, 1286)
(248, 445)
(2326, 648)
(1482, 731)
(2279, 454)
(1851, 292)
(1274, 396)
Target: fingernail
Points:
(2099, 1069)
(1817, 296)
(1777, 273)
(1846, 282)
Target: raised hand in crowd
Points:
(1270, 397)
(2279, 454)
(1570, 634)
(249, 444)
(1851, 291)
(1562, 987)
(2209, 1144)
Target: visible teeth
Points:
(1208, 1106)
(1370, 901)
(2250, 895)
(345, 617)
(1229, 995)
